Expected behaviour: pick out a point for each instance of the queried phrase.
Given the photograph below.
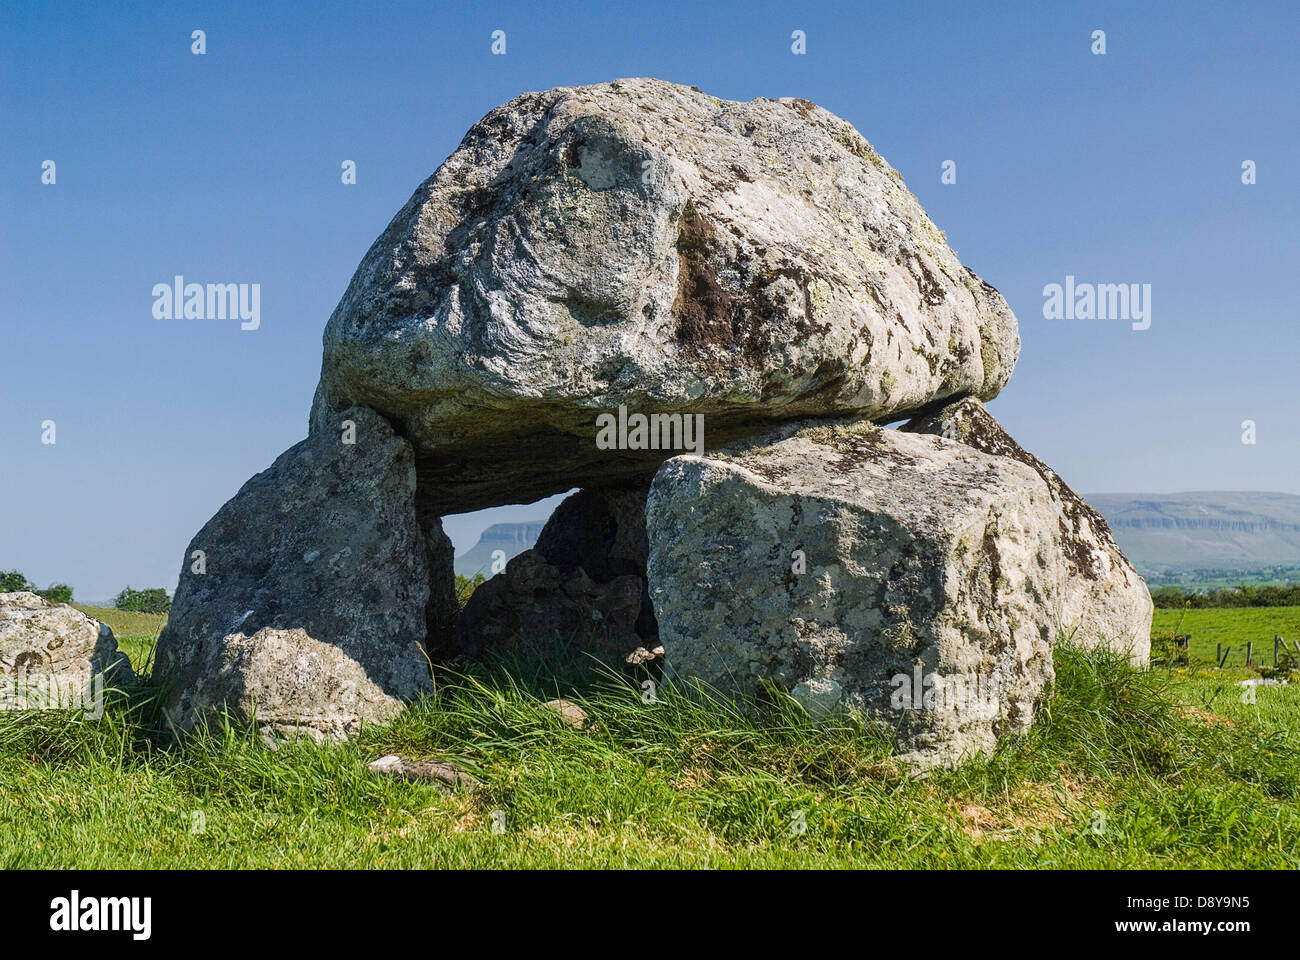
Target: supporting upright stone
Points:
(312, 600)
(443, 607)
(1103, 600)
(906, 576)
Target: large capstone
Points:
(306, 600)
(645, 245)
(1103, 600)
(909, 577)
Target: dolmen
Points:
(701, 315)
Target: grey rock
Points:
(818, 697)
(447, 777)
(386, 764)
(894, 566)
(1104, 600)
(51, 655)
(645, 244)
(583, 582)
(601, 530)
(290, 684)
(570, 714)
(534, 604)
(315, 597)
(443, 607)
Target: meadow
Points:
(1231, 627)
(1124, 768)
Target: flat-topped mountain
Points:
(1173, 532)
(510, 538)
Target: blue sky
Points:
(1122, 168)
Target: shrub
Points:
(1288, 664)
(465, 587)
(1245, 595)
(11, 581)
(153, 600)
(57, 593)
(1166, 652)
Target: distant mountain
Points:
(510, 538)
(1168, 533)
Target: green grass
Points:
(136, 633)
(1123, 769)
(1232, 627)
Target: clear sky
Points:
(225, 167)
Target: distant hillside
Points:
(1177, 533)
(511, 538)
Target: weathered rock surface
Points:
(601, 530)
(447, 777)
(443, 607)
(570, 714)
(642, 243)
(638, 247)
(915, 578)
(315, 596)
(50, 655)
(584, 582)
(532, 604)
(291, 684)
(1103, 600)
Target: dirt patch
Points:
(1029, 808)
(1206, 718)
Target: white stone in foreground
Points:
(52, 654)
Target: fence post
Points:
(1276, 641)
(1249, 644)
(1218, 654)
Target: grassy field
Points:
(136, 632)
(1231, 627)
(1123, 769)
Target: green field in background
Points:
(1234, 627)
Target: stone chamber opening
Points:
(569, 591)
